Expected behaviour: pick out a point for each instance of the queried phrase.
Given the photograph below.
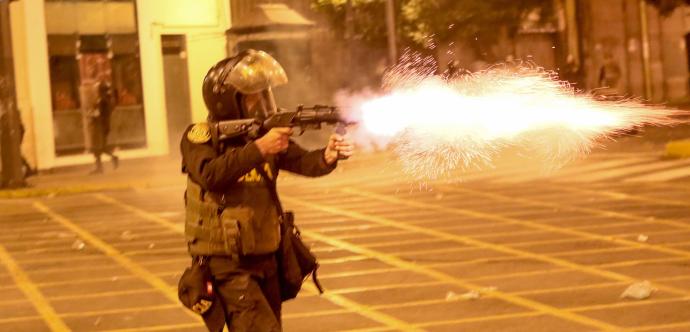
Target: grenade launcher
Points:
(303, 117)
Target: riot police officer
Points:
(232, 224)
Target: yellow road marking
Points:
(394, 261)
(300, 315)
(156, 328)
(123, 310)
(364, 310)
(334, 298)
(593, 211)
(628, 304)
(341, 260)
(663, 326)
(101, 294)
(456, 238)
(386, 287)
(114, 254)
(570, 288)
(32, 292)
(624, 196)
(481, 319)
(535, 225)
(176, 227)
(22, 319)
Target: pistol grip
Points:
(340, 129)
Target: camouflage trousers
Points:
(248, 291)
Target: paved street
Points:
(512, 249)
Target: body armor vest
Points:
(240, 222)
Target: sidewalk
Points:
(132, 173)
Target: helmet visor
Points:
(256, 72)
(259, 105)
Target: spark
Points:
(439, 124)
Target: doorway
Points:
(177, 98)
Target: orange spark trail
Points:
(440, 124)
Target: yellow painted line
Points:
(364, 310)
(101, 294)
(78, 268)
(612, 239)
(571, 288)
(301, 315)
(357, 273)
(454, 237)
(157, 328)
(114, 254)
(6, 302)
(593, 211)
(371, 234)
(385, 287)
(22, 319)
(482, 319)
(127, 310)
(32, 293)
(162, 252)
(467, 240)
(84, 281)
(166, 223)
(394, 261)
(341, 260)
(628, 304)
(625, 196)
(534, 225)
(676, 326)
(641, 262)
(382, 244)
(342, 228)
(334, 298)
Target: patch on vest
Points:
(200, 133)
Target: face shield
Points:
(259, 105)
(256, 74)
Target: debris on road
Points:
(642, 238)
(127, 236)
(471, 295)
(78, 245)
(638, 291)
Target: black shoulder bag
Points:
(295, 261)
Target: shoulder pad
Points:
(199, 133)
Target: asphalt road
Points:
(512, 249)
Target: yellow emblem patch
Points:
(200, 133)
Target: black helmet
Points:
(229, 80)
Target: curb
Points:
(678, 148)
(69, 190)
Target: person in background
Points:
(98, 125)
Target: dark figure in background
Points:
(99, 126)
(28, 171)
(232, 222)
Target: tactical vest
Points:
(211, 229)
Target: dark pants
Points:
(249, 292)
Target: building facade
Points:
(155, 53)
